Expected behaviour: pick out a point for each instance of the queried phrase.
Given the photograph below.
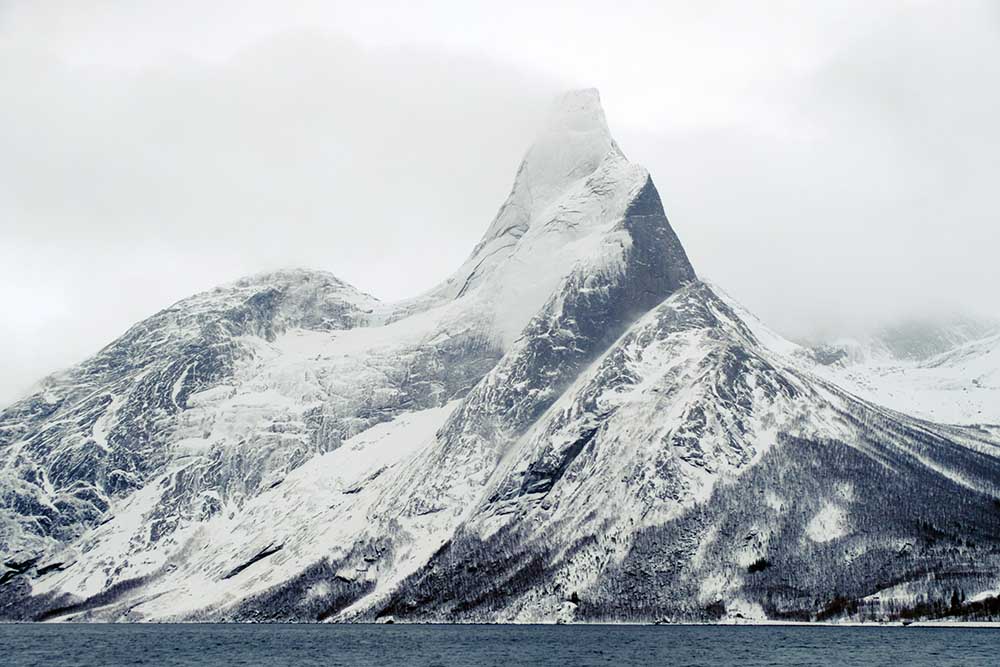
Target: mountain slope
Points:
(572, 426)
(692, 473)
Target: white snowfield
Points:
(333, 428)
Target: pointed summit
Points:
(571, 147)
(577, 204)
(579, 111)
(573, 143)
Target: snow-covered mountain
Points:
(910, 340)
(946, 371)
(571, 427)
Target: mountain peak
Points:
(572, 144)
(579, 110)
(572, 187)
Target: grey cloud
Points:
(871, 197)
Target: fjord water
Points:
(482, 645)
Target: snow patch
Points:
(827, 524)
(774, 501)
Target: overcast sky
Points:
(833, 165)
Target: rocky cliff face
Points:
(572, 426)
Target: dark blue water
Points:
(482, 645)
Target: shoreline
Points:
(740, 623)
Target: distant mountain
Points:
(573, 427)
(946, 371)
(909, 340)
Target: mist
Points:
(833, 166)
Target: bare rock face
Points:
(571, 427)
